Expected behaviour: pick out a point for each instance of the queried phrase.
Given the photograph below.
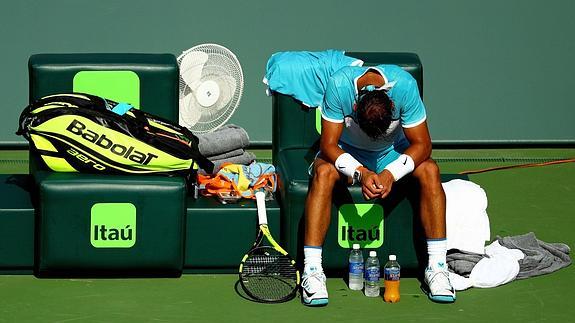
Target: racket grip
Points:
(261, 204)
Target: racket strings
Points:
(269, 276)
(258, 264)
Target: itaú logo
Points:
(129, 152)
(113, 225)
(360, 234)
(360, 223)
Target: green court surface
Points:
(538, 199)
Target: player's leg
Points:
(432, 211)
(318, 202)
(432, 199)
(317, 219)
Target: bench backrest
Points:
(146, 81)
(149, 81)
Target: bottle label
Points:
(391, 274)
(356, 268)
(372, 274)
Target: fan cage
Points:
(221, 66)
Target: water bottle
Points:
(372, 275)
(355, 268)
(391, 275)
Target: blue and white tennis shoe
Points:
(439, 288)
(314, 289)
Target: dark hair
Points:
(374, 113)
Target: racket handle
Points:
(261, 203)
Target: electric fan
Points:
(211, 86)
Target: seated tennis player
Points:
(374, 133)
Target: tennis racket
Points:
(267, 273)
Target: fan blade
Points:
(190, 110)
(191, 67)
(228, 87)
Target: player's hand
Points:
(386, 180)
(371, 186)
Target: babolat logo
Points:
(87, 160)
(360, 223)
(113, 225)
(78, 128)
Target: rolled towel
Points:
(225, 139)
(245, 159)
(229, 154)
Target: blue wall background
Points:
(495, 71)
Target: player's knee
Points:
(427, 172)
(326, 173)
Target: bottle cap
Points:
(373, 253)
(355, 246)
(392, 257)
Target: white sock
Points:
(437, 251)
(312, 258)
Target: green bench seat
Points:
(93, 225)
(16, 224)
(218, 236)
(208, 238)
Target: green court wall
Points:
(495, 71)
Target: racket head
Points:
(268, 275)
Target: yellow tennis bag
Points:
(79, 132)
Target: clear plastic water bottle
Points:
(391, 275)
(355, 268)
(372, 275)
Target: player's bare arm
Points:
(330, 151)
(419, 150)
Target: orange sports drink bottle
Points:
(391, 275)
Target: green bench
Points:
(16, 224)
(81, 217)
(71, 224)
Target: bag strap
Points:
(204, 163)
(140, 117)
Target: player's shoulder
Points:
(403, 82)
(396, 73)
(345, 75)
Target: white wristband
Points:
(346, 164)
(400, 167)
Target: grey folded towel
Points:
(540, 257)
(225, 139)
(245, 159)
(229, 154)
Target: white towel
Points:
(466, 216)
(499, 267)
